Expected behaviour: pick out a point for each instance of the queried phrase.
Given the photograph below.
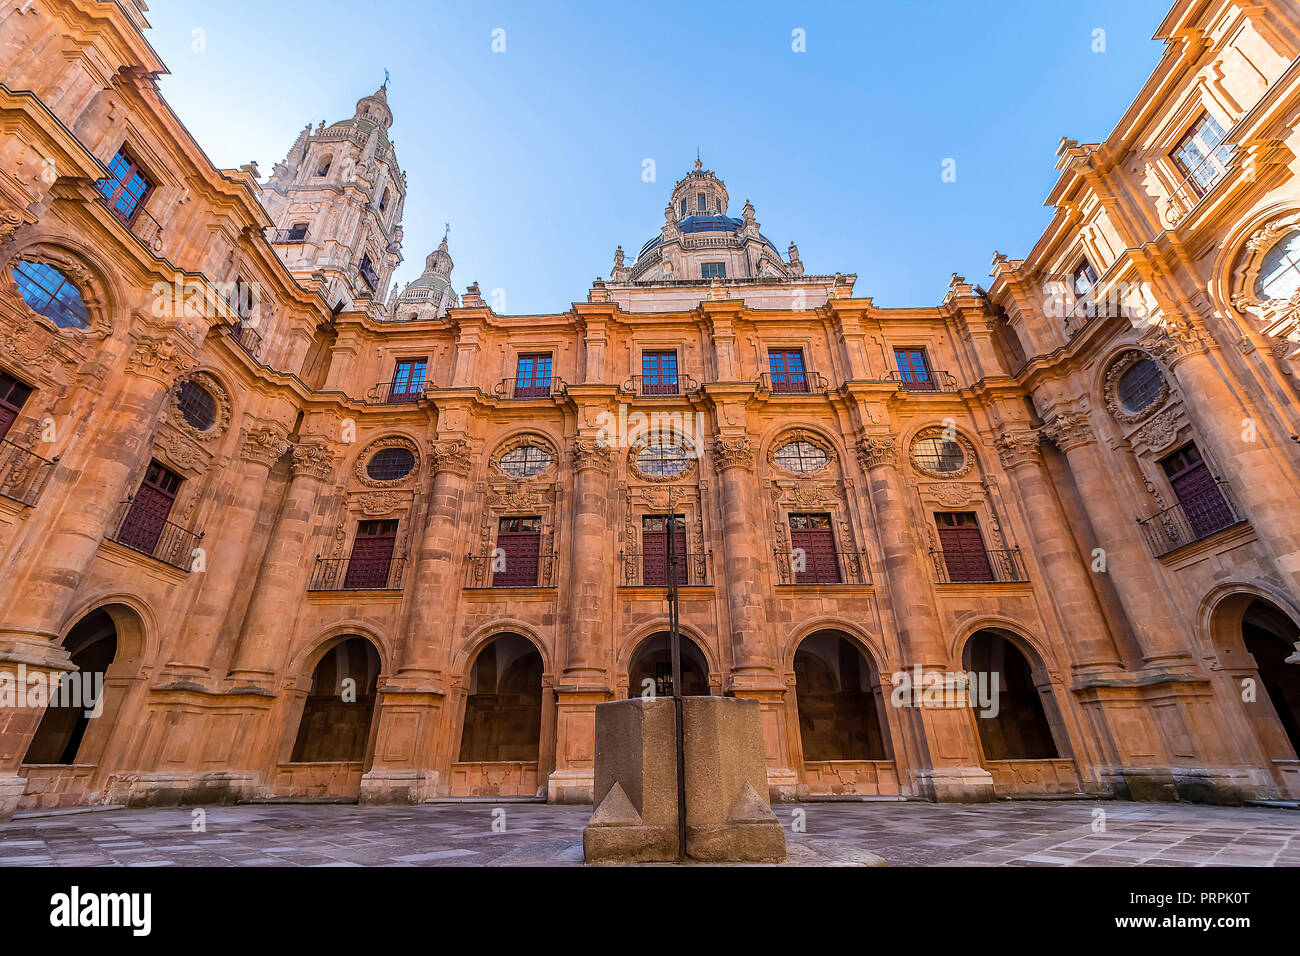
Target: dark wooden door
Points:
(533, 376)
(654, 550)
(13, 394)
(659, 373)
(150, 508)
(372, 555)
(786, 368)
(964, 556)
(1197, 491)
(812, 534)
(519, 540)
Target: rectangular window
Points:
(367, 270)
(297, 232)
(712, 270)
(914, 370)
(659, 373)
(126, 186)
(812, 549)
(150, 508)
(408, 380)
(1202, 156)
(533, 376)
(516, 559)
(701, 202)
(1197, 491)
(786, 368)
(13, 395)
(372, 555)
(683, 208)
(964, 556)
(654, 550)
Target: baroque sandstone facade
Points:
(327, 539)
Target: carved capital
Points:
(879, 449)
(1017, 448)
(1069, 428)
(314, 458)
(264, 446)
(732, 453)
(591, 454)
(1174, 339)
(452, 456)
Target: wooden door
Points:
(964, 555)
(813, 535)
(659, 373)
(654, 550)
(150, 508)
(408, 381)
(533, 376)
(372, 555)
(787, 371)
(1197, 491)
(519, 540)
(13, 395)
(914, 370)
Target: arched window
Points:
(324, 168)
(1140, 385)
(390, 464)
(935, 453)
(800, 457)
(664, 459)
(50, 293)
(525, 461)
(383, 201)
(1279, 273)
(197, 405)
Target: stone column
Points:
(944, 742)
(1127, 560)
(1067, 579)
(282, 581)
(261, 448)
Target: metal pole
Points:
(675, 648)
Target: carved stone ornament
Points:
(378, 445)
(376, 504)
(522, 441)
(591, 454)
(802, 435)
(313, 457)
(1111, 389)
(730, 453)
(1017, 448)
(1174, 339)
(450, 455)
(158, 357)
(1159, 433)
(1272, 316)
(264, 445)
(176, 418)
(32, 347)
(879, 449)
(180, 452)
(967, 452)
(950, 494)
(1069, 428)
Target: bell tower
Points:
(336, 200)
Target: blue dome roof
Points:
(703, 224)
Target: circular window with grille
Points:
(525, 461)
(198, 407)
(1140, 386)
(390, 464)
(938, 455)
(801, 457)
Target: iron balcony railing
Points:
(159, 539)
(367, 272)
(794, 383)
(140, 223)
(344, 574)
(998, 566)
(694, 569)
(1196, 517)
(385, 394)
(23, 473)
(246, 337)
(494, 571)
(651, 385)
(929, 380)
(513, 388)
(1202, 178)
(804, 567)
(287, 236)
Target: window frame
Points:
(113, 199)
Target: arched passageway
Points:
(1270, 637)
(92, 644)
(839, 700)
(336, 717)
(503, 704)
(1017, 727)
(651, 669)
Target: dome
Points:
(433, 286)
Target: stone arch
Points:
(840, 699)
(337, 719)
(868, 643)
(1027, 724)
(1039, 654)
(1228, 267)
(503, 702)
(652, 655)
(308, 657)
(776, 435)
(637, 636)
(463, 659)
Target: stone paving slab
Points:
(1019, 833)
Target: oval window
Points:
(390, 464)
(525, 461)
(937, 454)
(197, 406)
(49, 292)
(1140, 386)
(800, 457)
(663, 460)
(1279, 274)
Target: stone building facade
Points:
(321, 538)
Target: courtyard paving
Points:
(1045, 833)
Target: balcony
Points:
(834, 567)
(480, 572)
(1199, 516)
(1198, 183)
(23, 474)
(641, 570)
(344, 574)
(289, 236)
(522, 388)
(159, 539)
(384, 394)
(140, 224)
(794, 383)
(246, 337)
(649, 386)
(1003, 566)
(929, 380)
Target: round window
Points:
(801, 457)
(525, 461)
(390, 464)
(1140, 386)
(937, 454)
(48, 291)
(1279, 273)
(663, 460)
(198, 407)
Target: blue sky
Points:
(535, 155)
